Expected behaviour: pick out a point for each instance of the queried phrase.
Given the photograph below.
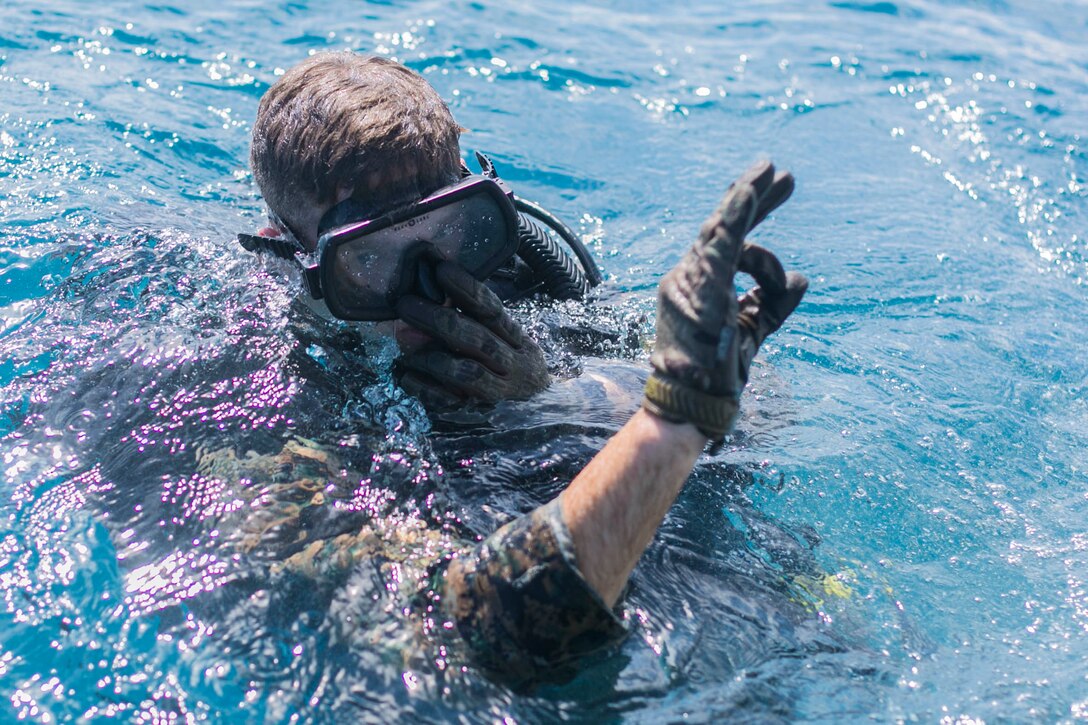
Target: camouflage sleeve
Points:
(521, 604)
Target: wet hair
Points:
(342, 120)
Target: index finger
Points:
(478, 302)
(764, 267)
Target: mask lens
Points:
(366, 267)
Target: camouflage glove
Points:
(706, 337)
(479, 352)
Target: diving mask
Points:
(365, 265)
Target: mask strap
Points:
(284, 249)
(348, 211)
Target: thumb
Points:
(780, 306)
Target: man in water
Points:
(363, 154)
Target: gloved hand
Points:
(480, 353)
(706, 337)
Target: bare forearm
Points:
(545, 584)
(616, 503)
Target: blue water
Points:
(897, 531)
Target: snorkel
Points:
(365, 262)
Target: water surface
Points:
(897, 531)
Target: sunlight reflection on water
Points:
(897, 530)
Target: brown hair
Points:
(341, 120)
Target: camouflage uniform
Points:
(517, 599)
(521, 604)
